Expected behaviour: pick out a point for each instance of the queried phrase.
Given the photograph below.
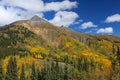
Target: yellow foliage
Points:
(32, 42)
(28, 47)
(62, 37)
(34, 50)
(9, 46)
(5, 62)
(57, 56)
(37, 50)
(68, 44)
(27, 61)
(74, 56)
(38, 56)
(96, 58)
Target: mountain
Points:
(86, 53)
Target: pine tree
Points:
(118, 54)
(113, 58)
(12, 70)
(33, 73)
(61, 73)
(66, 59)
(53, 72)
(79, 64)
(48, 73)
(113, 49)
(57, 70)
(1, 72)
(15, 69)
(22, 75)
(66, 73)
(39, 75)
(43, 73)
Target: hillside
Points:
(40, 41)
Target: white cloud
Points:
(88, 25)
(105, 30)
(7, 16)
(9, 9)
(39, 5)
(64, 18)
(33, 5)
(11, 15)
(57, 6)
(113, 18)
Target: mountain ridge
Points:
(43, 26)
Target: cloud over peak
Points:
(12, 10)
(64, 18)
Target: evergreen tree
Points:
(22, 75)
(66, 73)
(33, 73)
(113, 49)
(53, 72)
(66, 59)
(57, 70)
(118, 54)
(113, 58)
(43, 73)
(79, 66)
(48, 73)
(1, 72)
(61, 74)
(11, 73)
(39, 76)
(15, 69)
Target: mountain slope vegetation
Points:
(44, 49)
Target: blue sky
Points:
(88, 16)
(97, 12)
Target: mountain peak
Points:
(37, 20)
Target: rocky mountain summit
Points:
(37, 20)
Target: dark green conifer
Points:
(22, 75)
(33, 73)
(79, 66)
(39, 75)
(1, 72)
(113, 49)
(15, 69)
(66, 73)
(43, 73)
(118, 54)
